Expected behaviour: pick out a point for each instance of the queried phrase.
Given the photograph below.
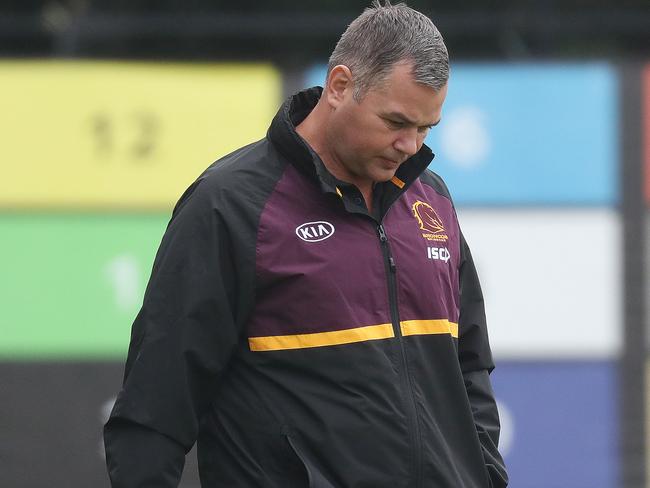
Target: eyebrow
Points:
(403, 118)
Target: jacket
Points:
(302, 341)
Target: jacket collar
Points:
(282, 133)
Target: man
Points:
(314, 318)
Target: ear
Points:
(339, 85)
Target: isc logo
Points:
(440, 253)
(315, 231)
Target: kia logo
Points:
(315, 231)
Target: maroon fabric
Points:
(339, 282)
(328, 285)
(427, 287)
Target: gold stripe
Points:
(423, 327)
(397, 182)
(319, 339)
(338, 192)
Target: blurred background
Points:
(110, 109)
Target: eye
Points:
(424, 129)
(394, 124)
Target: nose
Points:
(407, 142)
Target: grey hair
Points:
(385, 35)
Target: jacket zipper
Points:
(391, 271)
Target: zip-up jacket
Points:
(302, 341)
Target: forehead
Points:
(400, 93)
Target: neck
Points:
(311, 130)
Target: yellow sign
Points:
(113, 135)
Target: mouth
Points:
(390, 162)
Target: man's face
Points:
(369, 139)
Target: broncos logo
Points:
(427, 218)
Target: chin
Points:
(383, 176)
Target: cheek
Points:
(371, 138)
(360, 138)
(421, 140)
(349, 133)
(367, 146)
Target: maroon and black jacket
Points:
(304, 342)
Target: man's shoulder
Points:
(240, 174)
(436, 182)
(255, 160)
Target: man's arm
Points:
(137, 456)
(476, 364)
(181, 341)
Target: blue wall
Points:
(527, 134)
(559, 423)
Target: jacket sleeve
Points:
(476, 364)
(181, 341)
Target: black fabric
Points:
(486, 418)
(473, 349)
(197, 301)
(141, 457)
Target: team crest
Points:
(429, 222)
